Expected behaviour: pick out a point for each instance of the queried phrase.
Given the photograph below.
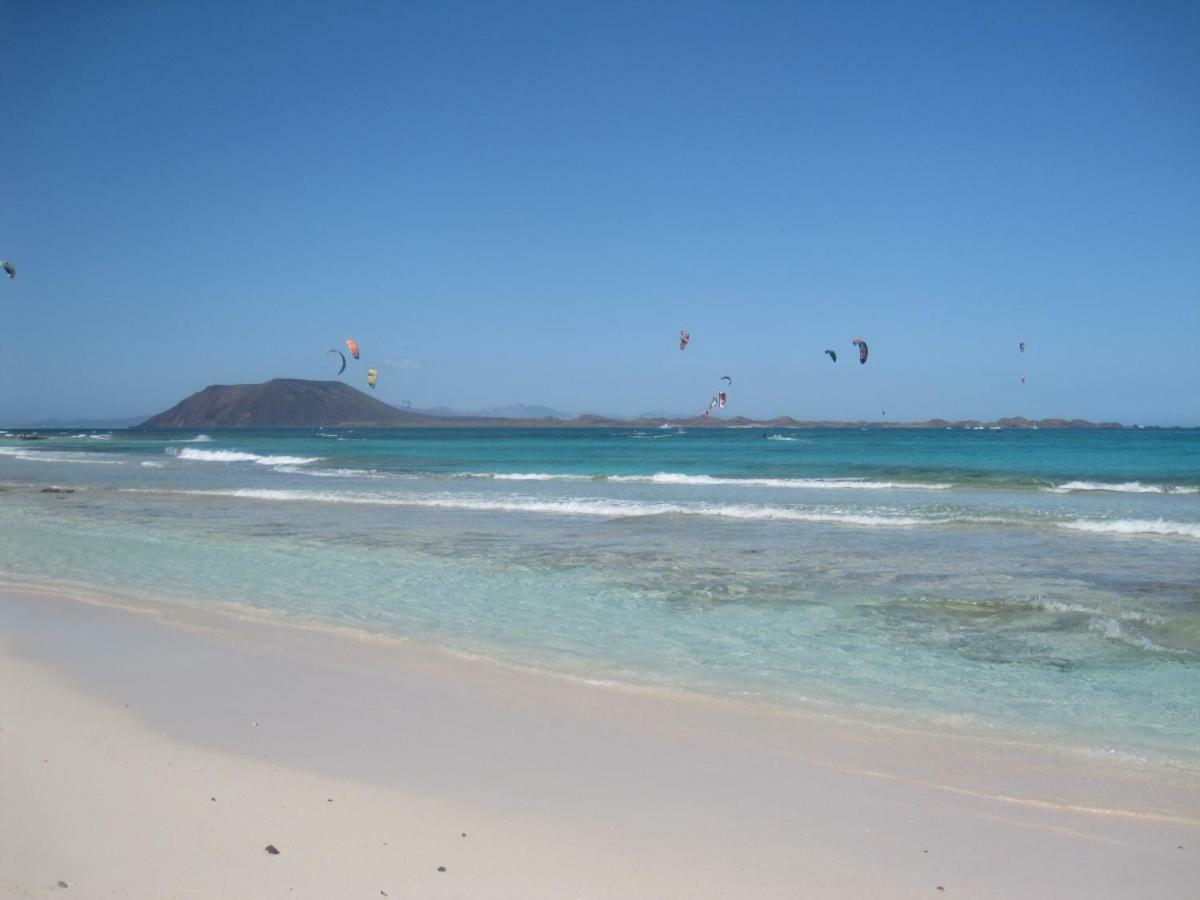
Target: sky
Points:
(526, 202)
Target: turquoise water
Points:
(1040, 584)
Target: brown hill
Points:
(283, 403)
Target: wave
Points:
(664, 478)
(1125, 487)
(674, 478)
(528, 476)
(789, 439)
(1135, 526)
(1112, 624)
(344, 473)
(611, 509)
(228, 456)
(861, 484)
(59, 456)
(152, 465)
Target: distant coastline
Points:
(299, 403)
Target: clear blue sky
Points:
(526, 201)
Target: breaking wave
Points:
(674, 478)
(860, 484)
(59, 456)
(1135, 526)
(611, 509)
(1126, 487)
(230, 456)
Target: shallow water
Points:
(1036, 583)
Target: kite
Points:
(353, 345)
(9, 269)
(832, 355)
(727, 379)
(684, 337)
(343, 356)
(372, 375)
(862, 350)
(1022, 346)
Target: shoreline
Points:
(581, 789)
(905, 725)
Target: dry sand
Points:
(365, 761)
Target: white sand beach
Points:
(156, 751)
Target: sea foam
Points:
(1135, 526)
(675, 478)
(59, 456)
(232, 456)
(611, 509)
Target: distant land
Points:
(512, 411)
(298, 403)
(81, 424)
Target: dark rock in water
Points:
(58, 490)
(441, 868)
(272, 849)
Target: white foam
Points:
(1058, 606)
(674, 478)
(152, 465)
(574, 507)
(859, 484)
(526, 476)
(1127, 487)
(1135, 526)
(1112, 630)
(343, 473)
(58, 456)
(232, 456)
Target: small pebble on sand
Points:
(441, 868)
(63, 884)
(272, 849)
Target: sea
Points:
(1023, 584)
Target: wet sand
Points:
(364, 761)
